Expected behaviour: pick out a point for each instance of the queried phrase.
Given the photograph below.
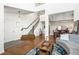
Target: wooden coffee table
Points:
(46, 48)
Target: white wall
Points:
(53, 8)
(24, 6)
(1, 28)
(10, 27)
(13, 25)
(63, 7)
(62, 16)
(60, 7)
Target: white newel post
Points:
(46, 27)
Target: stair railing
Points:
(29, 25)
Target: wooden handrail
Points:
(29, 25)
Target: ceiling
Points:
(16, 10)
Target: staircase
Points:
(32, 27)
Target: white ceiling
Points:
(16, 10)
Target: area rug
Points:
(34, 51)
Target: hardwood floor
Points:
(23, 48)
(20, 49)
